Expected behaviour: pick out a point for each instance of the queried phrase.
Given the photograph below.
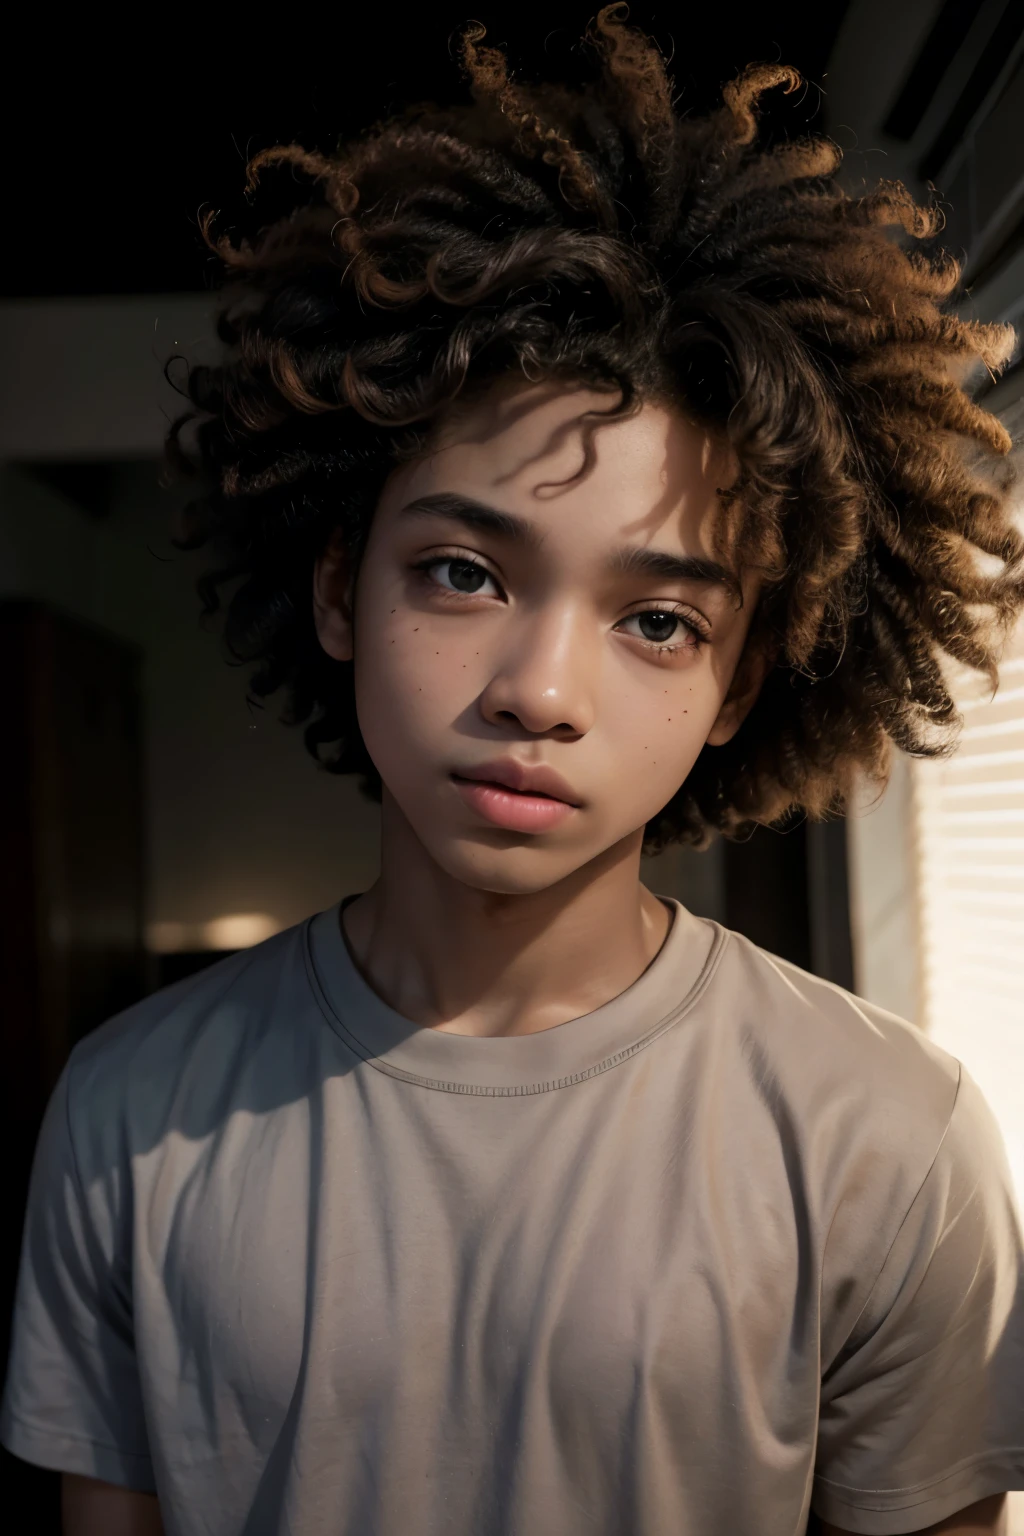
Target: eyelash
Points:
(698, 633)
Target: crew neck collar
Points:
(507, 1066)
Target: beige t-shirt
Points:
(730, 1248)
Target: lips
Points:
(540, 780)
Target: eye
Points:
(455, 574)
(658, 627)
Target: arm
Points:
(986, 1518)
(73, 1396)
(92, 1508)
(922, 1418)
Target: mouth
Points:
(517, 810)
(538, 780)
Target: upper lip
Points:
(540, 780)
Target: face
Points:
(540, 602)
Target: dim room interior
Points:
(158, 818)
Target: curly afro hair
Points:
(594, 235)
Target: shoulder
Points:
(233, 1033)
(810, 1027)
(882, 1134)
(859, 1086)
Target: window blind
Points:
(969, 834)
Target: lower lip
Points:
(508, 808)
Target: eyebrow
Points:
(629, 560)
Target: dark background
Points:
(110, 158)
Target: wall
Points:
(240, 820)
(883, 895)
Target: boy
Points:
(591, 479)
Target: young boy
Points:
(591, 479)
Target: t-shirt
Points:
(732, 1247)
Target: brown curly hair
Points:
(594, 235)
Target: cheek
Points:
(660, 729)
(648, 732)
(413, 678)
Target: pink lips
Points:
(511, 795)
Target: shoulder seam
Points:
(906, 1214)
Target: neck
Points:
(449, 956)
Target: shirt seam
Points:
(48, 1433)
(903, 1221)
(519, 1090)
(991, 1454)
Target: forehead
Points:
(555, 455)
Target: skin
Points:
(92, 1508)
(476, 929)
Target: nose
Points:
(544, 674)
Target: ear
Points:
(748, 680)
(333, 587)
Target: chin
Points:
(511, 871)
(527, 867)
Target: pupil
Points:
(465, 576)
(663, 625)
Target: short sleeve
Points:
(923, 1412)
(72, 1400)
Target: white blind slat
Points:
(970, 858)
